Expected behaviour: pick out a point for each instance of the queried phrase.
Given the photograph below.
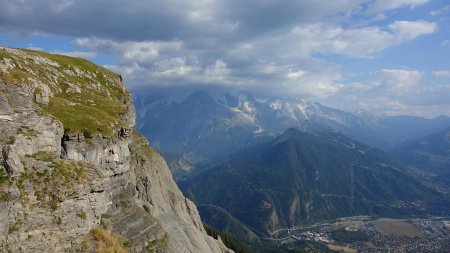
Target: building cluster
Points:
(313, 236)
(435, 237)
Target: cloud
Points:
(176, 19)
(385, 5)
(131, 52)
(147, 29)
(440, 11)
(441, 73)
(394, 92)
(275, 47)
(162, 20)
(81, 54)
(360, 42)
(445, 43)
(151, 63)
(217, 72)
(173, 68)
(399, 79)
(303, 41)
(157, 62)
(295, 74)
(62, 5)
(115, 19)
(409, 30)
(31, 47)
(280, 63)
(389, 82)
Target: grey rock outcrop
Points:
(41, 98)
(11, 160)
(63, 191)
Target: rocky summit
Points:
(74, 174)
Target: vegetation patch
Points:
(5, 196)
(78, 117)
(141, 144)
(108, 242)
(342, 235)
(124, 196)
(85, 97)
(24, 199)
(11, 140)
(230, 241)
(57, 220)
(3, 176)
(158, 245)
(14, 227)
(85, 247)
(41, 156)
(29, 133)
(52, 185)
(82, 215)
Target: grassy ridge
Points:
(85, 97)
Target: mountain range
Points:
(207, 126)
(76, 175)
(429, 158)
(302, 178)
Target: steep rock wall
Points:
(68, 182)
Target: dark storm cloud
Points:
(162, 20)
(129, 20)
(259, 17)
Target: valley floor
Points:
(370, 234)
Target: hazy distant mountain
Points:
(197, 128)
(431, 155)
(307, 177)
(196, 125)
(403, 129)
(210, 125)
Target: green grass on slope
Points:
(86, 98)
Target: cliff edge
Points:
(74, 174)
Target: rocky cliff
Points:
(74, 174)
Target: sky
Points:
(385, 56)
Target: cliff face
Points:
(74, 175)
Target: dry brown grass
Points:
(107, 242)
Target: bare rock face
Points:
(68, 184)
(178, 216)
(11, 161)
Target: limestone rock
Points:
(12, 162)
(62, 186)
(41, 98)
